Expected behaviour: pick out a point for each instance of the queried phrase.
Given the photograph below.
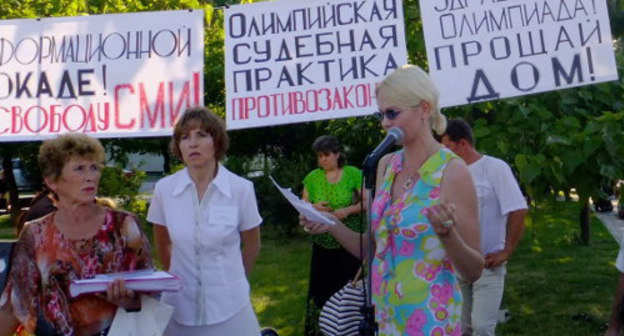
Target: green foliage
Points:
(358, 136)
(177, 167)
(276, 141)
(138, 206)
(7, 231)
(123, 187)
(276, 212)
(557, 140)
(616, 13)
(50, 8)
(115, 181)
(414, 36)
(214, 67)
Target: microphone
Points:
(394, 136)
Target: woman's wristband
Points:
(133, 310)
(135, 307)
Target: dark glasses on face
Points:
(389, 113)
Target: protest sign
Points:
(106, 75)
(481, 50)
(302, 60)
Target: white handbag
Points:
(150, 321)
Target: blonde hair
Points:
(410, 85)
(106, 202)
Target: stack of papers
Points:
(304, 208)
(140, 281)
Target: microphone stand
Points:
(368, 326)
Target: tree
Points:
(562, 139)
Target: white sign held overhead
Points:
(112, 75)
(487, 49)
(302, 60)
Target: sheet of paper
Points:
(303, 207)
(150, 321)
(140, 274)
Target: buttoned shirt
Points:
(206, 245)
(498, 194)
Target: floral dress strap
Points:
(384, 196)
(384, 239)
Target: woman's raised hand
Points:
(442, 218)
(314, 227)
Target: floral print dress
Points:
(415, 290)
(45, 261)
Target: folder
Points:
(140, 281)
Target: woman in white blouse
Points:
(201, 215)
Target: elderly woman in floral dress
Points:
(77, 241)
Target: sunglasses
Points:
(389, 113)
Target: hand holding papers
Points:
(141, 281)
(304, 208)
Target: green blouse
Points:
(338, 195)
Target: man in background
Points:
(502, 209)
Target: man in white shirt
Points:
(502, 209)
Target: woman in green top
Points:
(335, 188)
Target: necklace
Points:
(414, 177)
(410, 181)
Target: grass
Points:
(279, 284)
(555, 286)
(6, 230)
